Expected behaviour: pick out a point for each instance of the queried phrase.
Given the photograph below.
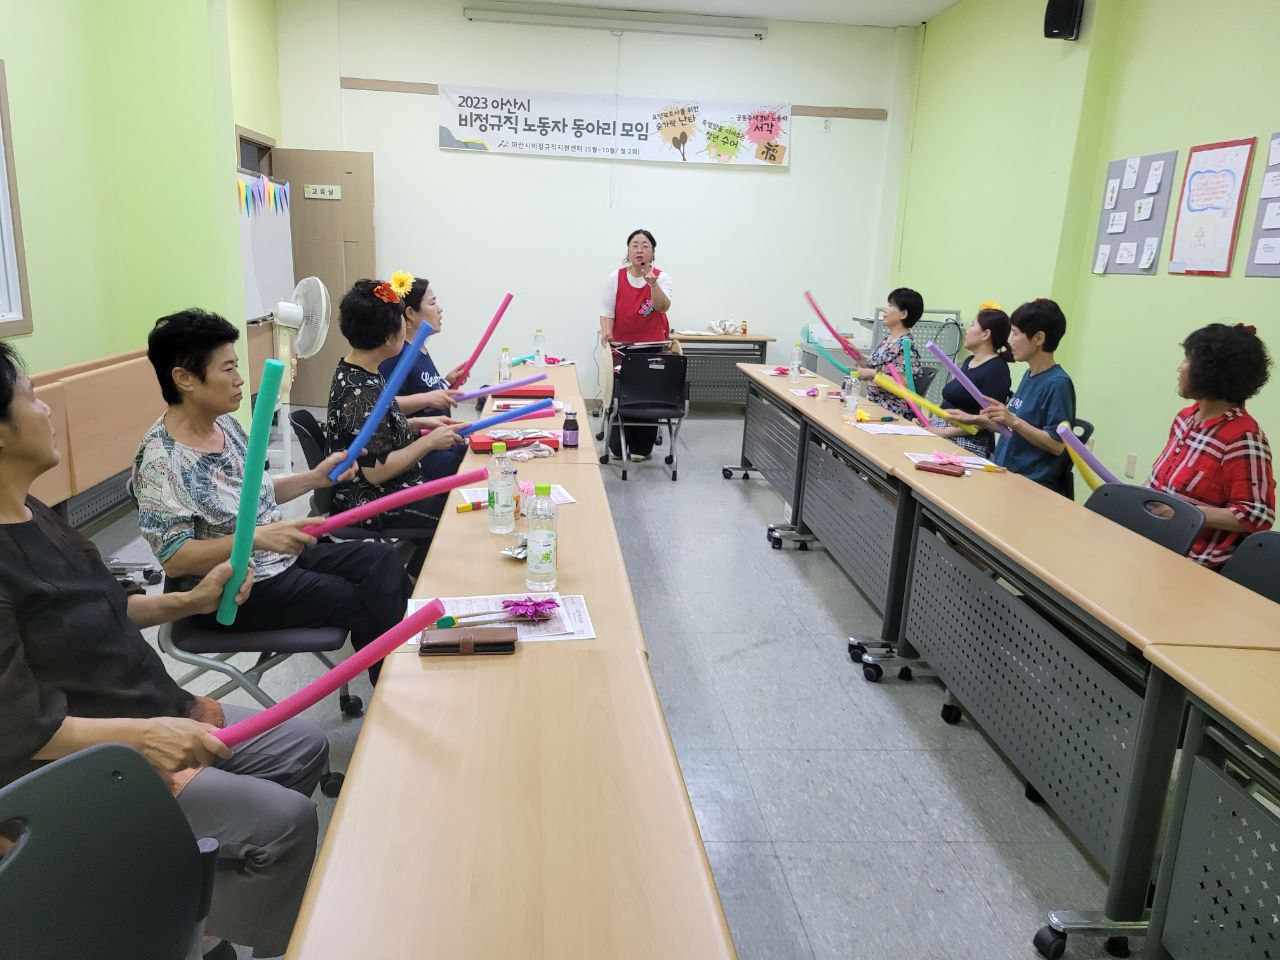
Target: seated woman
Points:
(77, 672)
(1217, 456)
(902, 310)
(987, 365)
(371, 318)
(424, 390)
(187, 477)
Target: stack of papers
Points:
(894, 429)
(473, 495)
(571, 621)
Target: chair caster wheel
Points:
(1032, 794)
(745, 475)
(904, 673)
(351, 706)
(604, 459)
(951, 714)
(668, 459)
(856, 650)
(331, 784)
(600, 435)
(152, 576)
(872, 672)
(1116, 946)
(1050, 943)
(776, 544)
(803, 546)
(726, 473)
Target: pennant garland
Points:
(254, 195)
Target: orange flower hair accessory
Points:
(385, 293)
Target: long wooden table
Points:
(523, 806)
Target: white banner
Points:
(605, 127)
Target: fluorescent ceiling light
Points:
(633, 21)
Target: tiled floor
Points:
(842, 819)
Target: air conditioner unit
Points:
(628, 21)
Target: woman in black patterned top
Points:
(371, 317)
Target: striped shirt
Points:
(1223, 462)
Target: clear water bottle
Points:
(504, 365)
(539, 345)
(569, 433)
(797, 362)
(502, 491)
(540, 569)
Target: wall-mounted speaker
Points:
(1062, 19)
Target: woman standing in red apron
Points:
(633, 309)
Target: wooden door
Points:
(332, 240)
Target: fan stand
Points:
(284, 353)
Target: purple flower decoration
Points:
(531, 609)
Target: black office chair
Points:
(1082, 429)
(1128, 506)
(105, 864)
(925, 380)
(649, 388)
(1256, 564)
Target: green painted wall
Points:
(123, 144)
(1005, 179)
(255, 69)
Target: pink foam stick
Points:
(845, 345)
(349, 518)
(970, 387)
(484, 340)
(893, 372)
(1068, 436)
(327, 683)
(499, 388)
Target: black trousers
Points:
(640, 440)
(361, 586)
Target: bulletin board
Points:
(1208, 217)
(1264, 246)
(1135, 206)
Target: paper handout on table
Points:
(1127, 253)
(894, 429)
(1154, 175)
(473, 495)
(571, 621)
(978, 462)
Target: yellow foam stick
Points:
(885, 382)
(1091, 478)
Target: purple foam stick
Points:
(518, 414)
(498, 388)
(1068, 436)
(970, 388)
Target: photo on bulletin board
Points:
(1209, 207)
(1264, 245)
(1135, 208)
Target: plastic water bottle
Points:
(539, 345)
(502, 491)
(569, 433)
(849, 400)
(504, 365)
(540, 569)
(797, 361)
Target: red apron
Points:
(634, 319)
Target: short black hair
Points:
(366, 321)
(1227, 363)
(419, 290)
(907, 300)
(186, 339)
(10, 371)
(635, 233)
(1041, 316)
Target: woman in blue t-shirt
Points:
(987, 341)
(424, 391)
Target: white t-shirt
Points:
(609, 299)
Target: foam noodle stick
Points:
(484, 339)
(832, 360)
(845, 345)
(1068, 436)
(898, 390)
(525, 359)
(255, 461)
(906, 365)
(327, 683)
(401, 498)
(961, 378)
(504, 416)
(907, 395)
(1090, 477)
(499, 387)
(539, 414)
(384, 401)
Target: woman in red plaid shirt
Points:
(1217, 456)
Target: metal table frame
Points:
(713, 372)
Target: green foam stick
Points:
(255, 462)
(906, 365)
(832, 360)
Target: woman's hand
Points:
(442, 438)
(959, 416)
(205, 595)
(440, 399)
(650, 278)
(320, 475)
(457, 376)
(431, 423)
(176, 743)
(284, 536)
(998, 413)
(866, 373)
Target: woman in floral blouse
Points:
(903, 309)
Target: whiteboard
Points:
(266, 248)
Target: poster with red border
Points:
(1209, 207)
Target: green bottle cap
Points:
(542, 490)
(499, 447)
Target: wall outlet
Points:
(1131, 465)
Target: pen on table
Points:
(470, 505)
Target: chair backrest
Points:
(314, 444)
(652, 378)
(105, 865)
(1256, 564)
(1082, 429)
(1128, 506)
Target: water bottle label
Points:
(542, 551)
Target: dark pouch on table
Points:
(465, 641)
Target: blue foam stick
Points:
(525, 359)
(255, 462)
(503, 417)
(385, 400)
